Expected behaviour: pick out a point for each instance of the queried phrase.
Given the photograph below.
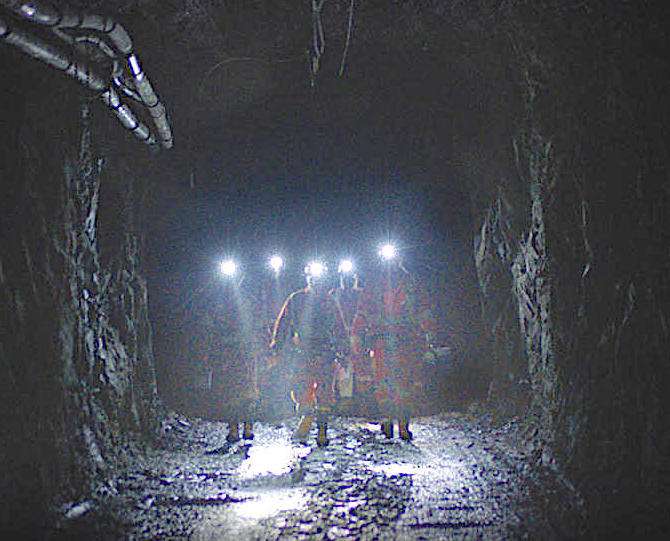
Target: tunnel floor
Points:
(458, 479)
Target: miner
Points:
(353, 374)
(273, 376)
(235, 384)
(303, 337)
(401, 328)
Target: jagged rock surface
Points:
(76, 365)
(572, 251)
(563, 152)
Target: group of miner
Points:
(348, 350)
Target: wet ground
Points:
(458, 479)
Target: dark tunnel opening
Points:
(383, 184)
(515, 156)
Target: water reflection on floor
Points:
(453, 480)
(275, 458)
(268, 503)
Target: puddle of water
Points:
(268, 503)
(438, 472)
(245, 520)
(272, 459)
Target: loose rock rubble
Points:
(458, 479)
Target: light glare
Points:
(271, 459)
(134, 65)
(228, 267)
(346, 266)
(388, 251)
(28, 10)
(276, 262)
(315, 269)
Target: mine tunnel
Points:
(322, 269)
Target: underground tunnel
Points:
(334, 269)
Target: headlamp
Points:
(276, 263)
(315, 269)
(388, 252)
(228, 267)
(346, 266)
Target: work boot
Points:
(248, 433)
(387, 428)
(322, 437)
(233, 432)
(403, 429)
(302, 431)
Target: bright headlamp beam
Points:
(315, 269)
(228, 267)
(346, 266)
(276, 263)
(388, 252)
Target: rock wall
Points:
(573, 259)
(76, 365)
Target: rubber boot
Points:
(322, 434)
(233, 432)
(248, 430)
(403, 429)
(302, 431)
(387, 428)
